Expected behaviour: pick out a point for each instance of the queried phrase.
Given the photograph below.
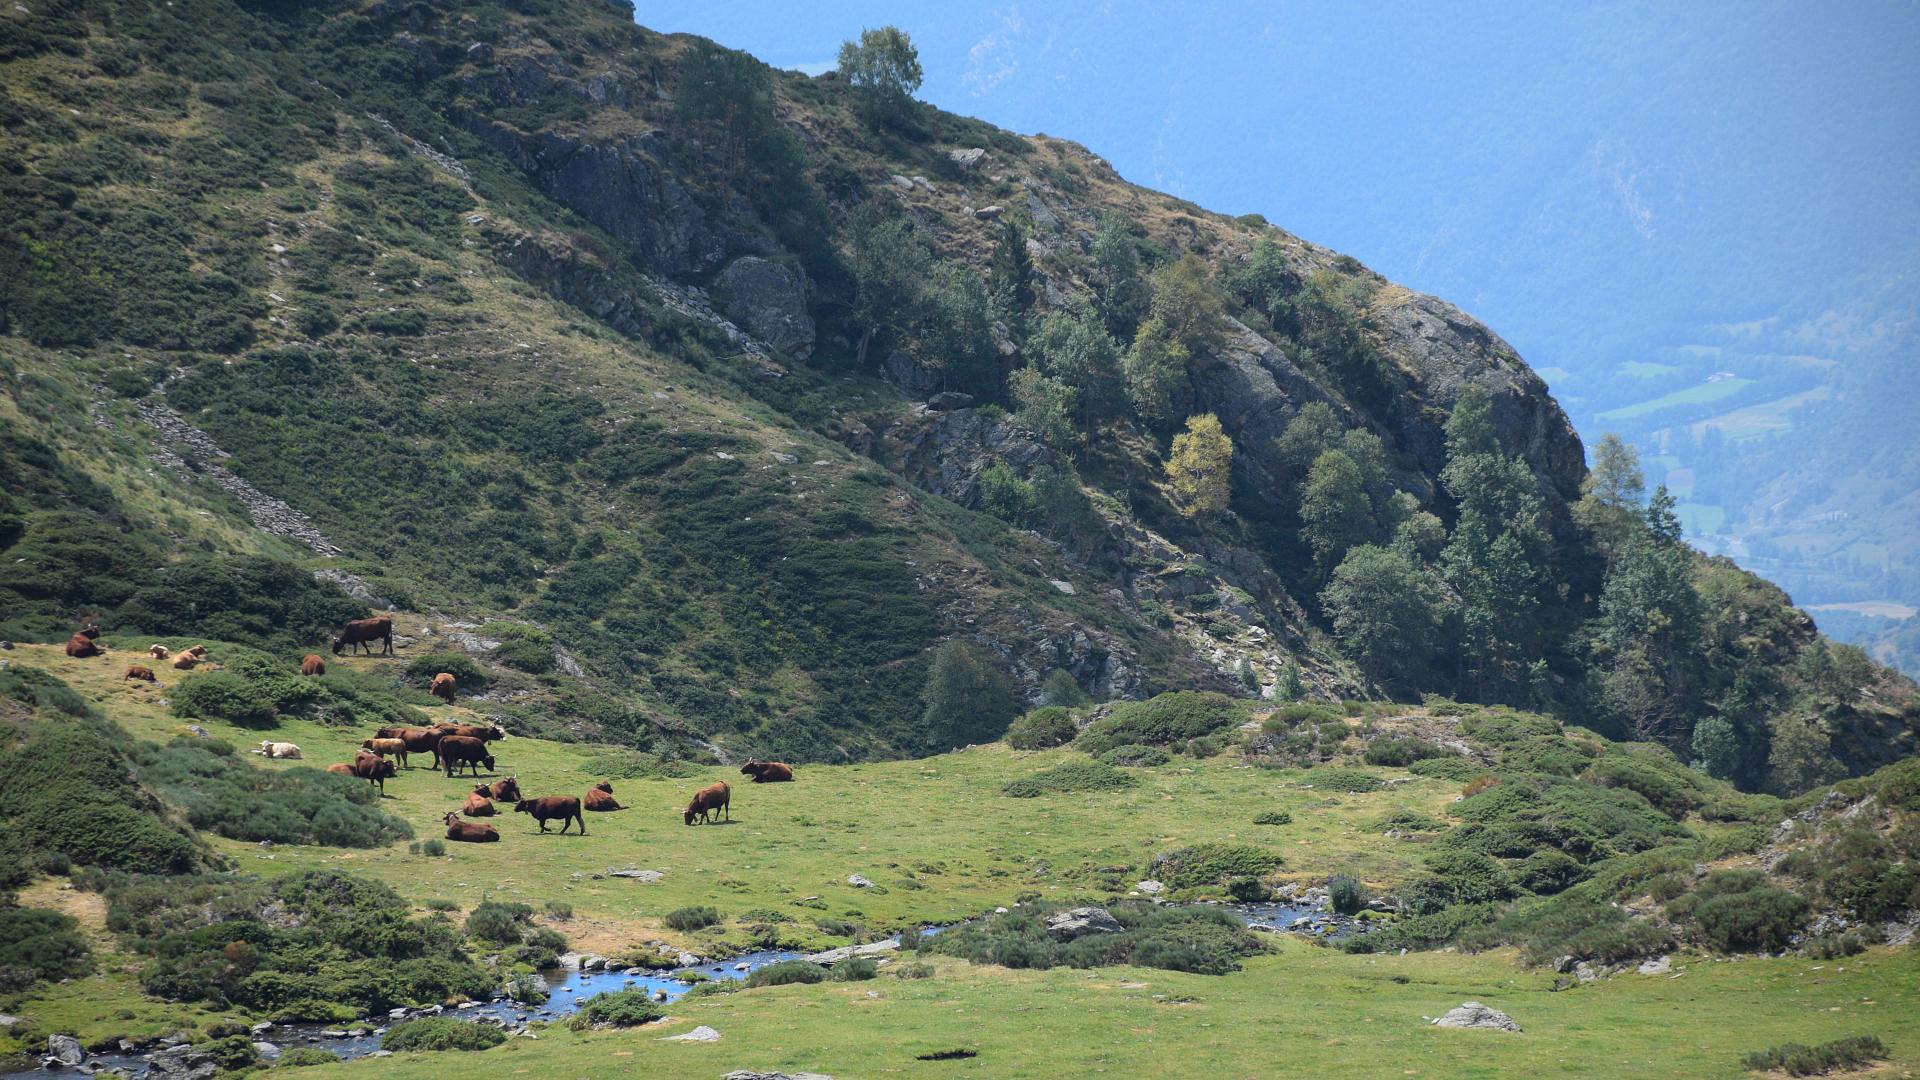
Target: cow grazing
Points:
(564, 807)
(478, 805)
(458, 752)
(507, 790)
(393, 748)
(419, 740)
(85, 643)
(312, 664)
(442, 687)
(269, 748)
(600, 798)
(159, 651)
(708, 799)
(470, 832)
(135, 671)
(483, 732)
(364, 632)
(372, 768)
(768, 772)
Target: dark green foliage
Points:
(1273, 817)
(1138, 757)
(1349, 780)
(1077, 775)
(1042, 729)
(1164, 720)
(1206, 865)
(222, 793)
(430, 1033)
(855, 969)
(1499, 726)
(967, 697)
(617, 1008)
(38, 944)
(1422, 931)
(784, 972)
(225, 695)
(698, 917)
(1402, 751)
(1547, 872)
(1405, 821)
(499, 923)
(1547, 754)
(1202, 940)
(1670, 786)
(1346, 895)
(1585, 820)
(294, 1057)
(1581, 927)
(1840, 1055)
(1739, 911)
(467, 675)
(1470, 877)
(1447, 768)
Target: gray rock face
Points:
(701, 1034)
(915, 381)
(770, 301)
(847, 952)
(65, 1049)
(967, 158)
(181, 1063)
(1079, 922)
(1472, 1014)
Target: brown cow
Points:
(768, 772)
(198, 652)
(507, 790)
(713, 797)
(442, 687)
(372, 768)
(186, 662)
(600, 798)
(364, 632)
(483, 732)
(478, 805)
(470, 832)
(135, 671)
(158, 651)
(312, 664)
(394, 748)
(463, 751)
(419, 740)
(564, 807)
(83, 643)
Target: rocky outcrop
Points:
(1472, 1014)
(769, 300)
(945, 452)
(1079, 922)
(268, 513)
(181, 1063)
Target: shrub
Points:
(1273, 817)
(855, 969)
(1739, 911)
(38, 944)
(1248, 890)
(1548, 872)
(467, 675)
(1346, 895)
(1577, 926)
(1405, 821)
(918, 969)
(786, 971)
(224, 695)
(440, 1033)
(1204, 865)
(1134, 756)
(294, 1057)
(1497, 726)
(617, 1008)
(434, 848)
(1458, 769)
(1042, 729)
(1198, 939)
(223, 793)
(1479, 784)
(1852, 1052)
(499, 923)
(1163, 720)
(1402, 751)
(1069, 776)
(560, 910)
(688, 919)
(1062, 689)
(1425, 931)
(1547, 754)
(1470, 877)
(1670, 791)
(1287, 717)
(1348, 780)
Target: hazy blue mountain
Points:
(1700, 222)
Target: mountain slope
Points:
(474, 310)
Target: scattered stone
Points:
(181, 1063)
(1659, 965)
(768, 300)
(899, 181)
(743, 1074)
(688, 960)
(8, 1023)
(1063, 586)
(1151, 888)
(988, 213)
(847, 952)
(659, 995)
(267, 1051)
(645, 877)
(1081, 921)
(785, 459)
(967, 158)
(65, 1050)
(1472, 1014)
(703, 1033)
(859, 882)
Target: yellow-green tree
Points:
(1199, 466)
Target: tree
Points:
(1046, 406)
(1612, 494)
(1316, 428)
(1470, 424)
(1383, 611)
(1496, 488)
(1184, 299)
(1155, 367)
(1493, 588)
(1649, 599)
(1287, 686)
(1117, 281)
(1335, 512)
(883, 68)
(1010, 273)
(891, 264)
(1062, 689)
(1200, 467)
(954, 333)
(1716, 747)
(726, 96)
(967, 699)
(1007, 497)
(1073, 346)
(1800, 755)
(1265, 282)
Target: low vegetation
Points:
(1201, 940)
(433, 1033)
(1840, 1055)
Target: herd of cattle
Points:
(455, 748)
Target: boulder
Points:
(967, 158)
(1081, 921)
(702, 1034)
(846, 952)
(769, 301)
(948, 400)
(859, 882)
(645, 877)
(1472, 1014)
(267, 1051)
(1151, 888)
(1659, 965)
(181, 1063)
(66, 1050)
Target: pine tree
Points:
(1010, 275)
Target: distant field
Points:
(1878, 609)
(1766, 418)
(1642, 369)
(1700, 518)
(1703, 394)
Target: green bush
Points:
(467, 675)
(1248, 890)
(224, 695)
(66, 789)
(37, 944)
(1548, 872)
(1740, 911)
(1346, 895)
(1673, 790)
(1498, 726)
(1042, 729)
(1288, 717)
(1457, 769)
(434, 848)
(1402, 751)
(1470, 877)
(1405, 821)
(855, 969)
(222, 793)
(1212, 864)
(1202, 940)
(618, 1008)
(1572, 925)
(1547, 754)
(1273, 817)
(1840, 1055)
(697, 917)
(1069, 776)
(498, 923)
(1134, 756)
(431, 1033)
(1348, 780)
(294, 1057)
(1163, 720)
(786, 971)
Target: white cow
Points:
(279, 749)
(158, 651)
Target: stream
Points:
(568, 987)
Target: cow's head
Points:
(488, 762)
(384, 770)
(523, 806)
(604, 785)
(90, 631)
(368, 743)
(452, 818)
(339, 643)
(753, 768)
(509, 788)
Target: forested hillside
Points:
(706, 403)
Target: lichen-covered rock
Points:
(1079, 922)
(1472, 1014)
(770, 301)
